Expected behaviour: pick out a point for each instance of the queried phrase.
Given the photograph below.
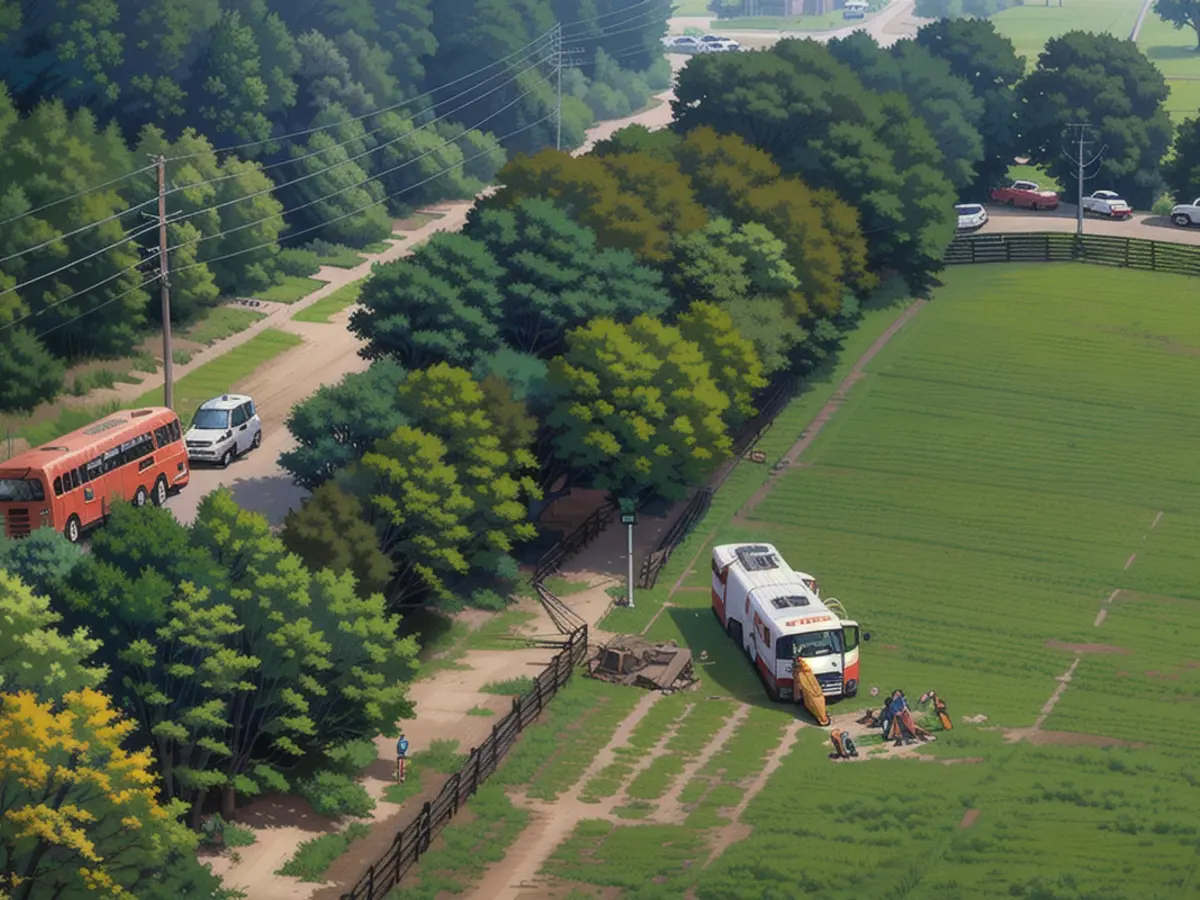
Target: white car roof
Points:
(225, 401)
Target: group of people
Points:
(895, 720)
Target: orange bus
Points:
(70, 483)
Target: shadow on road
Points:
(272, 496)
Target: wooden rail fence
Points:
(1097, 249)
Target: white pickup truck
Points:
(1186, 214)
(1107, 204)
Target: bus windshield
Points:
(814, 643)
(21, 490)
(211, 419)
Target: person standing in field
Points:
(401, 757)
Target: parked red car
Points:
(1025, 194)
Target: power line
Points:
(120, 296)
(607, 34)
(63, 237)
(76, 262)
(359, 118)
(336, 193)
(364, 135)
(79, 293)
(345, 162)
(77, 195)
(617, 12)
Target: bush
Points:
(216, 832)
(488, 599)
(313, 857)
(658, 76)
(1163, 205)
(606, 103)
(335, 794)
(298, 263)
(510, 687)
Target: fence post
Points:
(1153, 256)
(399, 855)
(1127, 253)
(457, 788)
(425, 829)
(371, 882)
(537, 689)
(495, 743)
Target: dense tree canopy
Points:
(1109, 83)
(1182, 171)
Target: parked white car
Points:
(223, 429)
(970, 216)
(1107, 203)
(717, 44)
(1186, 214)
(685, 43)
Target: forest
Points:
(289, 130)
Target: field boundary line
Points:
(1048, 707)
(1137, 25)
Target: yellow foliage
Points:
(64, 771)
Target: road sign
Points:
(628, 519)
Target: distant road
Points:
(1002, 219)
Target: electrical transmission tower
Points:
(1082, 165)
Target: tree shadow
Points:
(273, 496)
(284, 811)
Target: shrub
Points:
(607, 103)
(488, 599)
(313, 857)
(510, 687)
(352, 757)
(1163, 205)
(216, 832)
(335, 794)
(298, 263)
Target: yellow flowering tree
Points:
(79, 813)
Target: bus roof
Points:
(90, 437)
(760, 565)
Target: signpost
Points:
(629, 519)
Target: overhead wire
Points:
(398, 105)
(110, 300)
(365, 181)
(365, 153)
(76, 262)
(76, 195)
(49, 306)
(81, 230)
(616, 12)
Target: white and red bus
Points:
(776, 614)
(70, 483)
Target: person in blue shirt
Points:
(401, 756)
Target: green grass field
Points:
(977, 498)
(290, 289)
(220, 322)
(830, 21)
(1171, 49)
(1031, 25)
(1184, 99)
(327, 307)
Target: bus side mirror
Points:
(866, 635)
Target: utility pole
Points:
(558, 43)
(164, 284)
(1081, 167)
(629, 519)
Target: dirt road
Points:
(896, 22)
(1150, 227)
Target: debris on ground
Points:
(843, 745)
(975, 720)
(632, 660)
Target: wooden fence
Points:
(1098, 249)
(776, 399)
(414, 839)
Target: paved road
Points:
(894, 23)
(1001, 219)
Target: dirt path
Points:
(670, 810)
(830, 409)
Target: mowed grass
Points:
(1184, 100)
(1030, 26)
(290, 289)
(976, 499)
(1173, 50)
(327, 307)
(219, 323)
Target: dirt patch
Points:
(1129, 562)
(1085, 648)
(829, 409)
(1063, 681)
(1066, 738)
(969, 818)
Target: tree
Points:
(944, 102)
(81, 813)
(723, 168)
(732, 361)
(418, 508)
(725, 263)
(340, 422)
(449, 404)
(44, 560)
(769, 325)
(660, 143)
(819, 122)
(515, 426)
(1180, 13)
(1182, 171)
(329, 531)
(29, 373)
(1109, 83)
(524, 376)
(556, 279)
(988, 62)
(34, 655)
(589, 189)
(639, 412)
(228, 92)
(441, 303)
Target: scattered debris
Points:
(843, 745)
(975, 720)
(632, 660)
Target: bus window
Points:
(21, 490)
(814, 643)
(58, 488)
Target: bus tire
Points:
(140, 497)
(734, 629)
(74, 530)
(160, 491)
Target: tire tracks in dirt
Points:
(670, 810)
